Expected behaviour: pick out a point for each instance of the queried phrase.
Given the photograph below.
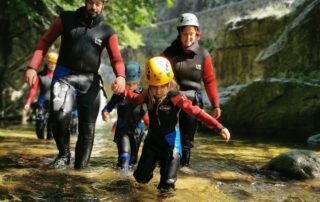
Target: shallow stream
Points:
(219, 172)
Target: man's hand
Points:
(30, 76)
(118, 85)
(216, 113)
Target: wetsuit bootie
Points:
(123, 162)
(60, 162)
(61, 136)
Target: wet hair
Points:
(151, 100)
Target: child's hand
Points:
(225, 134)
(105, 116)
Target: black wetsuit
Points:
(188, 68)
(76, 82)
(162, 143)
(129, 129)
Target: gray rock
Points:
(314, 140)
(297, 164)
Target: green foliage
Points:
(170, 3)
(125, 16)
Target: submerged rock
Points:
(314, 140)
(297, 164)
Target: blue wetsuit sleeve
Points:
(115, 99)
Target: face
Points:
(131, 85)
(188, 36)
(94, 7)
(51, 66)
(159, 91)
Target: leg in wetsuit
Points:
(188, 128)
(128, 145)
(84, 89)
(168, 158)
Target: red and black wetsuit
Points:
(191, 67)
(43, 81)
(162, 143)
(76, 79)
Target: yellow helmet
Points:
(158, 71)
(52, 57)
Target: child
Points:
(163, 139)
(129, 130)
(42, 109)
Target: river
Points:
(219, 172)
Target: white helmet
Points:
(188, 19)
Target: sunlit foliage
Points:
(126, 16)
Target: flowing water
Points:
(219, 172)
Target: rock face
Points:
(276, 41)
(297, 164)
(274, 107)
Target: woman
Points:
(162, 143)
(191, 65)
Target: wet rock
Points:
(274, 107)
(314, 140)
(297, 164)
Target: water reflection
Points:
(219, 172)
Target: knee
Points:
(142, 178)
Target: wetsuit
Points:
(76, 80)
(43, 82)
(162, 143)
(129, 129)
(191, 66)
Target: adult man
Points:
(76, 81)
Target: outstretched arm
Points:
(186, 105)
(135, 98)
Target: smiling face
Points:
(188, 35)
(94, 7)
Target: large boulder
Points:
(274, 108)
(297, 164)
